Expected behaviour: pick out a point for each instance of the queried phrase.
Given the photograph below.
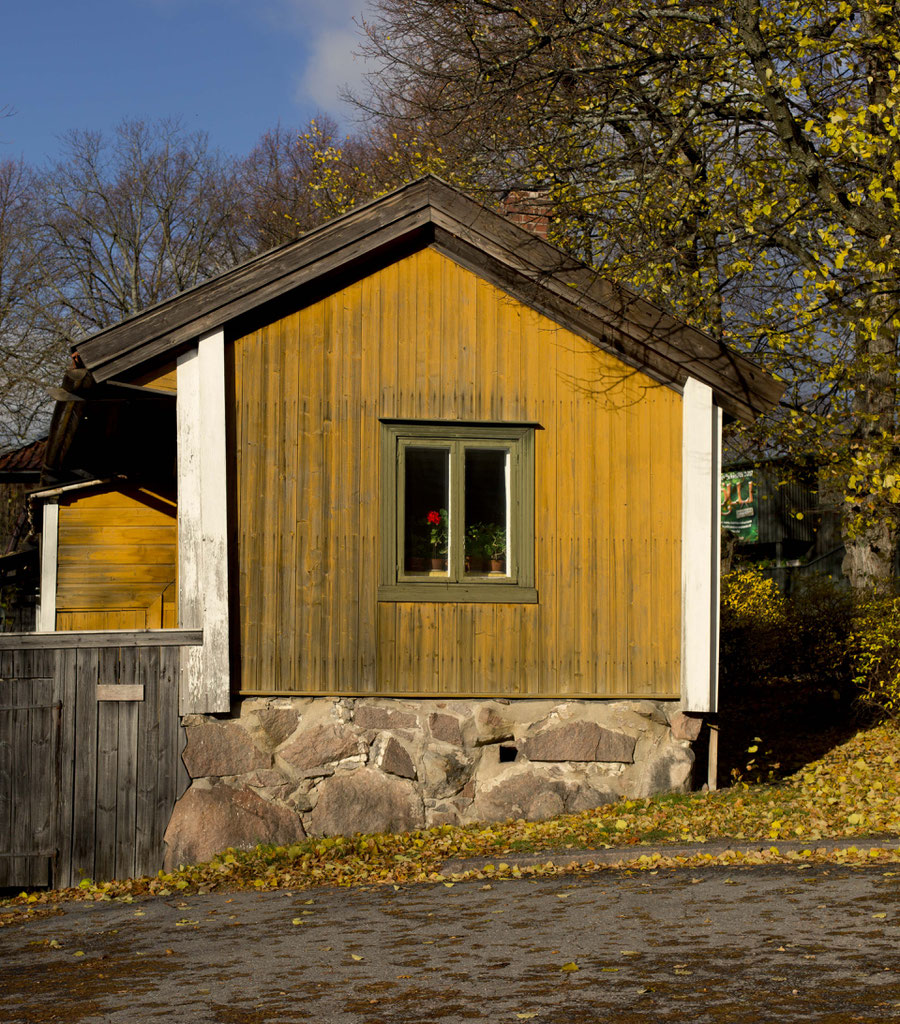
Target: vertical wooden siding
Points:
(426, 339)
(116, 562)
(160, 378)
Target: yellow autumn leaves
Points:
(853, 791)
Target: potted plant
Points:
(437, 535)
(477, 547)
(497, 548)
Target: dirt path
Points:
(711, 945)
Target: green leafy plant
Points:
(486, 541)
(497, 542)
(874, 647)
(747, 593)
(784, 672)
(478, 540)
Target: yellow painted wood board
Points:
(426, 339)
(116, 558)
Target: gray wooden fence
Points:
(90, 753)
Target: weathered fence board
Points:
(65, 681)
(107, 769)
(88, 784)
(89, 638)
(6, 787)
(126, 797)
(78, 811)
(43, 766)
(147, 836)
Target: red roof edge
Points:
(29, 458)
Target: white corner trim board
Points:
(46, 613)
(202, 525)
(700, 547)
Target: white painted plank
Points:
(715, 570)
(202, 525)
(46, 612)
(214, 505)
(190, 612)
(701, 461)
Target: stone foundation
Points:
(282, 768)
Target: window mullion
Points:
(512, 515)
(457, 514)
(400, 504)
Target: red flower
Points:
(434, 518)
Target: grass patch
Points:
(658, 835)
(673, 799)
(852, 791)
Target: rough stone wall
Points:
(282, 768)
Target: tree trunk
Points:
(870, 555)
(870, 517)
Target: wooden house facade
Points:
(417, 458)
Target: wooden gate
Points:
(29, 768)
(90, 753)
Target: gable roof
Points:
(430, 212)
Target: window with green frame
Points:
(457, 512)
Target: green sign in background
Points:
(739, 513)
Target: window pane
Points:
(487, 510)
(426, 490)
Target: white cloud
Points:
(331, 68)
(330, 33)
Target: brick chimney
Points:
(529, 208)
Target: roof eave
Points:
(429, 211)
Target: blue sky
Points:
(230, 68)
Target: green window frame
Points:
(455, 582)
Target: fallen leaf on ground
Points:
(817, 802)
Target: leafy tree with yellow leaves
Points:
(293, 180)
(737, 163)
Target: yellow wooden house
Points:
(419, 357)
(418, 454)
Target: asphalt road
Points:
(756, 945)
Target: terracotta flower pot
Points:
(438, 564)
